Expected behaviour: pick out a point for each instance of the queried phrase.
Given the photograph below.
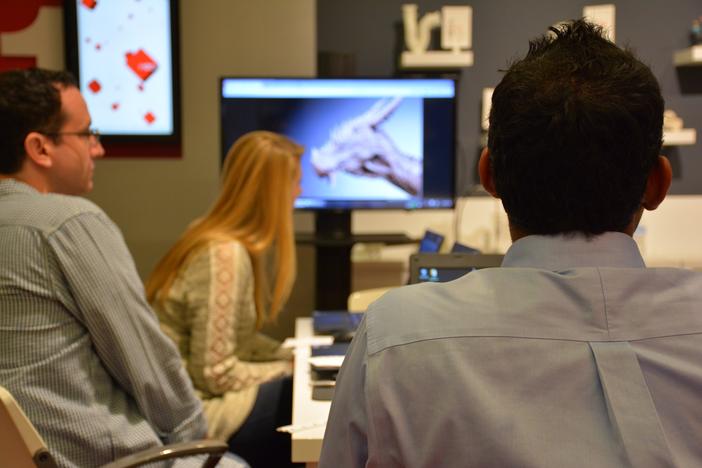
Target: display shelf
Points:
(682, 137)
(437, 59)
(692, 56)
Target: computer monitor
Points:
(369, 142)
(440, 268)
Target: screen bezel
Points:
(73, 60)
(348, 205)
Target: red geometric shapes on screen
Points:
(149, 117)
(91, 4)
(115, 106)
(95, 86)
(98, 46)
(141, 64)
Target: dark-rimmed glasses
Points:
(91, 134)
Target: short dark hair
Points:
(30, 101)
(575, 129)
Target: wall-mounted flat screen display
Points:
(369, 143)
(124, 55)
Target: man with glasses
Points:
(80, 349)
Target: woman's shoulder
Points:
(228, 248)
(228, 257)
(234, 245)
(215, 248)
(228, 252)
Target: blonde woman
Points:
(231, 271)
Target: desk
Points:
(306, 441)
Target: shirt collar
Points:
(12, 185)
(611, 249)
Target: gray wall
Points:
(371, 32)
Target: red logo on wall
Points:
(16, 16)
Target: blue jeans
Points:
(257, 441)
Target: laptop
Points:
(335, 322)
(431, 242)
(325, 360)
(458, 247)
(440, 268)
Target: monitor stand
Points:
(333, 240)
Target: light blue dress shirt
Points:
(573, 354)
(80, 349)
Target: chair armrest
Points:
(214, 448)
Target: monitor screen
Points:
(431, 242)
(442, 275)
(124, 54)
(439, 268)
(369, 143)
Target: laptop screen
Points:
(431, 242)
(441, 275)
(439, 268)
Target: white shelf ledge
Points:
(692, 56)
(682, 137)
(437, 59)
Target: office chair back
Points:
(20, 444)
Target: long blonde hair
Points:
(254, 206)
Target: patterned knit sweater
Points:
(211, 316)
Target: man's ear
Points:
(658, 183)
(37, 149)
(485, 172)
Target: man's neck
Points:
(517, 233)
(31, 181)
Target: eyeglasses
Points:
(91, 134)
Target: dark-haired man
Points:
(80, 349)
(573, 353)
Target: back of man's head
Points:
(575, 129)
(30, 100)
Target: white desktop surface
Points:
(308, 416)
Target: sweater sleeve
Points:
(227, 313)
(261, 347)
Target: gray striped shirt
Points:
(80, 349)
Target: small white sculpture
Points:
(456, 26)
(671, 121)
(417, 36)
